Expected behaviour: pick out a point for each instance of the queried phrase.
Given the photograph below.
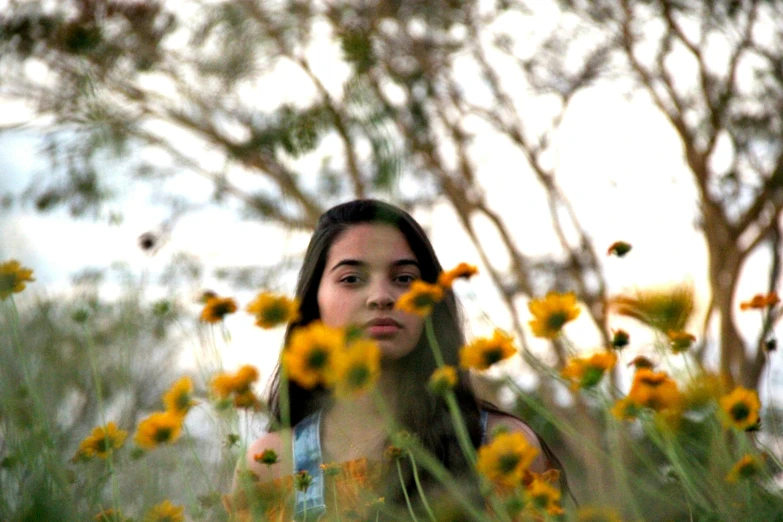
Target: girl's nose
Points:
(380, 297)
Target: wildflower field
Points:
(677, 441)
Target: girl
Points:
(361, 258)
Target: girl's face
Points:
(368, 267)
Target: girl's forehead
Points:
(368, 242)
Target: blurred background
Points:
(151, 151)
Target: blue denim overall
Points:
(310, 504)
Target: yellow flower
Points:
(654, 390)
(158, 428)
(625, 409)
(101, 442)
(311, 354)
(247, 399)
(216, 308)
(244, 378)
(505, 459)
(665, 309)
(461, 271)
(420, 299)
(551, 313)
(544, 495)
(760, 301)
(741, 408)
(13, 277)
(586, 372)
(179, 398)
(357, 368)
(272, 310)
(442, 380)
(483, 353)
(110, 515)
(165, 512)
(680, 341)
(745, 468)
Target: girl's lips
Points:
(381, 330)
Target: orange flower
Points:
(654, 390)
(619, 248)
(680, 341)
(760, 301)
(224, 385)
(461, 271)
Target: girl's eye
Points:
(406, 278)
(350, 279)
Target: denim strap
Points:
(310, 504)
(484, 419)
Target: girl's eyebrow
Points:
(362, 264)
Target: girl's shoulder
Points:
(268, 458)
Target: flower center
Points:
(556, 320)
(162, 434)
(317, 358)
(492, 356)
(508, 462)
(740, 411)
(275, 313)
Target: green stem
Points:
(433, 342)
(199, 463)
(419, 488)
(336, 508)
(51, 461)
(618, 462)
(405, 492)
(101, 412)
(456, 415)
(428, 461)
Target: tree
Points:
(409, 89)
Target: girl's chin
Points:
(392, 351)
